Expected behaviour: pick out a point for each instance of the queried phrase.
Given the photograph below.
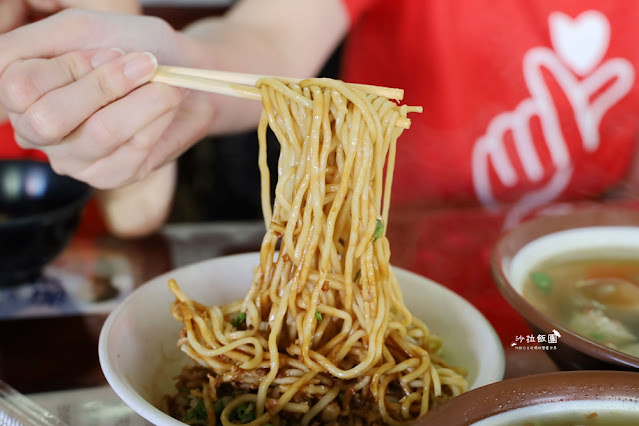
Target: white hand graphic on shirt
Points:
(579, 45)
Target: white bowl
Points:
(138, 343)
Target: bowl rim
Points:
(548, 388)
(86, 194)
(533, 315)
(142, 406)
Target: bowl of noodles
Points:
(317, 327)
(141, 359)
(575, 277)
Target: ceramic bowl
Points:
(585, 398)
(139, 355)
(39, 213)
(535, 241)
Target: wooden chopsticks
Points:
(239, 84)
(243, 85)
(223, 83)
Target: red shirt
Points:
(9, 149)
(524, 101)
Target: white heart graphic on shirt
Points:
(581, 42)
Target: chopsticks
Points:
(220, 82)
(243, 85)
(240, 84)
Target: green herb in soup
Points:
(595, 294)
(542, 281)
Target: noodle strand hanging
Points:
(323, 335)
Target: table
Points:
(48, 348)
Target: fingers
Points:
(58, 112)
(121, 121)
(54, 36)
(95, 124)
(129, 162)
(79, 29)
(91, 109)
(124, 122)
(126, 164)
(27, 81)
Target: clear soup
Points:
(594, 293)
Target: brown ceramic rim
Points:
(520, 392)
(596, 216)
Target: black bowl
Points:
(39, 213)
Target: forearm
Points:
(261, 38)
(142, 207)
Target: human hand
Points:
(12, 14)
(90, 108)
(118, 6)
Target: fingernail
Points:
(140, 66)
(106, 55)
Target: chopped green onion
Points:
(198, 412)
(379, 230)
(318, 316)
(597, 335)
(238, 320)
(542, 281)
(358, 275)
(245, 413)
(221, 403)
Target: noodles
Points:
(323, 335)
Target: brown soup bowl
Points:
(535, 241)
(586, 398)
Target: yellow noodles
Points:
(323, 334)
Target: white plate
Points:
(139, 355)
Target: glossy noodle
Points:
(323, 335)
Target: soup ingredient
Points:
(593, 323)
(593, 293)
(542, 281)
(610, 291)
(325, 335)
(196, 414)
